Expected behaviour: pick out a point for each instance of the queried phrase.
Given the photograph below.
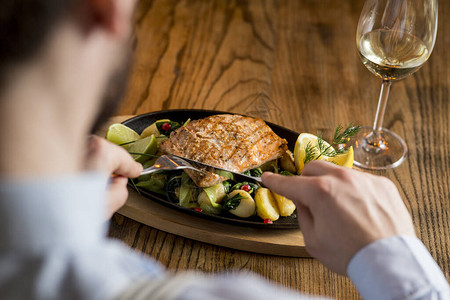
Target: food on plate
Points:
(309, 147)
(142, 148)
(240, 203)
(233, 142)
(152, 129)
(120, 134)
(287, 162)
(210, 198)
(266, 207)
(285, 206)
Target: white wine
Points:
(391, 54)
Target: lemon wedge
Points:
(120, 134)
(152, 129)
(345, 159)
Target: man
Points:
(57, 58)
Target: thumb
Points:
(106, 156)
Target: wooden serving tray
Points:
(283, 242)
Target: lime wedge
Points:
(143, 149)
(120, 134)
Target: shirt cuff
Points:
(398, 267)
(39, 213)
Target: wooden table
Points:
(293, 63)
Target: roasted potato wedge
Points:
(246, 207)
(287, 162)
(285, 206)
(266, 206)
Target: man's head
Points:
(94, 33)
(57, 60)
(24, 25)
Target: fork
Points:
(167, 163)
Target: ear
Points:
(113, 16)
(101, 13)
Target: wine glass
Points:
(394, 39)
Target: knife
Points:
(237, 176)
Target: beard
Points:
(114, 92)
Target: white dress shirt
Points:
(53, 245)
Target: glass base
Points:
(378, 151)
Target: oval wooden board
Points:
(282, 242)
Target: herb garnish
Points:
(227, 186)
(339, 138)
(233, 202)
(253, 186)
(173, 126)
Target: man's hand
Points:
(107, 157)
(342, 210)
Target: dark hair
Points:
(24, 25)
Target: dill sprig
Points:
(324, 150)
(343, 137)
(310, 152)
(335, 148)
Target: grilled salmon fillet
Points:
(231, 142)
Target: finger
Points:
(295, 188)
(122, 163)
(111, 158)
(319, 168)
(117, 194)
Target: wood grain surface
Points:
(293, 63)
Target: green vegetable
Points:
(225, 174)
(146, 165)
(171, 187)
(227, 186)
(188, 192)
(210, 198)
(232, 202)
(215, 194)
(155, 183)
(257, 172)
(187, 122)
(173, 126)
(253, 186)
(270, 166)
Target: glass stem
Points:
(374, 141)
(382, 102)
